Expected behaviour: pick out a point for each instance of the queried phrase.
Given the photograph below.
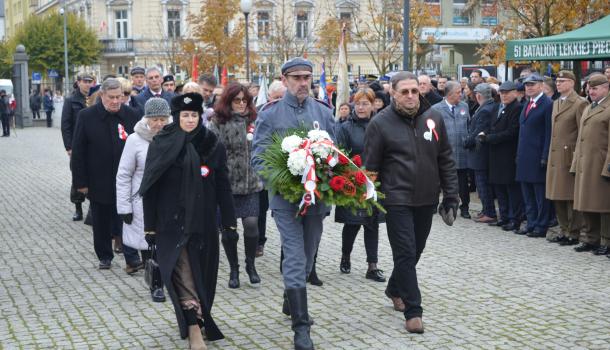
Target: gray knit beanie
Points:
(156, 107)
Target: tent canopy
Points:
(586, 43)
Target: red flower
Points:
(357, 160)
(360, 178)
(337, 183)
(343, 159)
(349, 188)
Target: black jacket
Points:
(433, 97)
(412, 169)
(164, 214)
(72, 105)
(478, 154)
(145, 95)
(502, 138)
(97, 148)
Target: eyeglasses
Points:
(238, 100)
(409, 91)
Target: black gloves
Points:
(150, 238)
(127, 218)
(448, 210)
(481, 138)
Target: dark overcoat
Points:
(96, 150)
(72, 105)
(534, 141)
(502, 138)
(164, 214)
(478, 154)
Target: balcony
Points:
(117, 45)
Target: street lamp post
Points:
(63, 12)
(246, 7)
(405, 35)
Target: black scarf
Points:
(171, 144)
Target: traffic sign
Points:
(36, 78)
(52, 73)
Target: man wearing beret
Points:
(590, 167)
(169, 84)
(532, 155)
(567, 111)
(300, 235)
(137, 80)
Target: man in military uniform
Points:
(137, 80)
(590, 165)
(72, 105)
(300, 235)
(169, 84)
(567, 111)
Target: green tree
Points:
(43, 39)
(6, 61)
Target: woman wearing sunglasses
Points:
(233, 122)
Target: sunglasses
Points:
(409, 91)
(238, 100)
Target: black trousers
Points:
(49, 118)
(408, 229)
(371, 240)
(463, 188)
(510, 202)
(262, 216)
(106, 223)
(6, 124)
(36, 114)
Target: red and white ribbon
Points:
(122, 133)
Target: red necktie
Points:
(529, 107)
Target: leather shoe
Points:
(585, 247)
(569, 241)
(485, 219)
(157, 295)
(78, 216)
(536, 234)
(260, 251)
(375, 275)
(557, 239)
(499, 223)
(397, 302)
(524, 231)
(415, 325)
(465, 214)
(105, 264)
(345, 265)
(602, 250)
(511, 226)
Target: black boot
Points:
(313, 276)
(78, 212)
(250, 245)
(285, 306)
(297, 300)
(229, 242)
(88, 218)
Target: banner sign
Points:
(556, 51)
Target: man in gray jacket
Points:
(300, 235)
(455, 114)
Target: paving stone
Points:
(482, 288)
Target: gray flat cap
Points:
(297, 64)
(156, 107)
(137, 70)
(533, 78)
(508, 86)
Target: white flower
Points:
(318, 135)
(291, 143)
(320, 151)
(297, 161)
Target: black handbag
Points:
(152, 274)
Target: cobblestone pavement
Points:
(482, 288)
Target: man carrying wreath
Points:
(407, 145)
(300, 234)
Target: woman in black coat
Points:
(350, 136)
(185, 180)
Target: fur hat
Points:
(156, 107)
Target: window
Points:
(123, 71)
(263, 24)
(173, 23)
(302, 24)
(345, 17)
(120, 18)
(460, 18)
(489, 13)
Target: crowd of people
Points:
(169, 169)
